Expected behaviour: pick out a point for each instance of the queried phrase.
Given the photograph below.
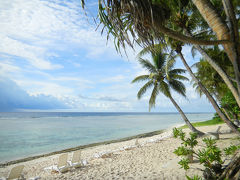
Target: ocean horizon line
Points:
(100, 112)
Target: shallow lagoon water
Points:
(28, 134)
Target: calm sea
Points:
(28, 133)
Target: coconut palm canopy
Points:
(142, 21)
(162, 77)
(137, 21)
(209, 77)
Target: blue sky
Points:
(53, 58)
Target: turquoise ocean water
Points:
(27, 134)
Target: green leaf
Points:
(153, 97)
(141, 78)
(231, 150)
(184, 164)
(143, 90)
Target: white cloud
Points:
(46, 88)
(8, 67)
(33, 29)
(27, 52)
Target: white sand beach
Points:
(153, 159)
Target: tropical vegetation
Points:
(162, 77)
(210, 156)
(196, 22)
(212, 28)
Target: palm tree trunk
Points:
(210, 98)
(222, 31)
(227, 114)
(223, 75)
(180, 37)
(191, 127)
(234, 33)
(219, 71)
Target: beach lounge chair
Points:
(62, 165)
(137, 144)
(76, 159)
(15, 173)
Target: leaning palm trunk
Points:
(223, 75)
(222, 31)
(227, 114)
(180, 37)
(219, 71)
(210, 98)
(191, 127)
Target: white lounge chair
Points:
(15, 173)
(62, 165)
(137, 144)
(76, 159)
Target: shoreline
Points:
(151, 157)
(81, 147)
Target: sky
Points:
(53, 58)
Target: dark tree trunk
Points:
(217, 24)
(210, 98)
(191, 127)
(219, 71)
(227, 114)
(233, 169)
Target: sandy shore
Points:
(154, 159)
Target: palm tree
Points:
(146, 19)
(209, 76)
(208, 95)
(224, 31)
(219, 70)
(188, 25)
(177, 47)
(162, 77)
(150, 19)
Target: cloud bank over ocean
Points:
(14, 98)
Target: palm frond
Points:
(164, 88)
(171, 62)
(83, 4)
(169, 65)
(172, 54)
(153, 97)
(144, 51)
(147, 65)
(159, 60)
(143, 90)
(140, 78)
(178, 86)
(177, 71)
(197, 88)
(178, 77)
(193, 51)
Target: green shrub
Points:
(210, 156)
